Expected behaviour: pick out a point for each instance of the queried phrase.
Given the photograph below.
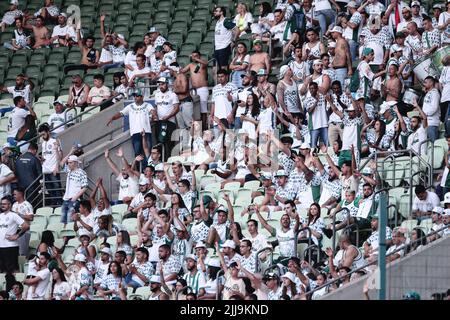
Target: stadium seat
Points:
(40, 219)
(409, 224)
(130, 224)
(45, 211)
(119, 208)
(258, 200)
(213, 187)
(426, 224)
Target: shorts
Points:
(223, 56)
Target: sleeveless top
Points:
(314, 51)
(291, 99)
(91, 55)
(77, 93)
(154, 297)
(358, 262)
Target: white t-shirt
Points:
(286, 241)
(76, 180)
(431, 107)
(24, 208)
(57, 119)
(139, 117)
(444, 80)
(5, 189)
(9, 222)
(222, 106)
(415, 138)
(25, 92)
(322, 5)
(89, 220)
(127, 187)
(61, 290)
(101, 271)
(16, 121)
(222, 36)
(49, 153)
(267, 120)
(428, 204)
(41, 288)
(165, 103)
(63, 31)
(259, 242)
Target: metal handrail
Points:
(328, 283)
(395, 214)
(296, 238)
(219, 273)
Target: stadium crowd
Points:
(305, 92)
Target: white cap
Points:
(447, 198)
(352, 4)
(359, 96)
(438, 210)
(351, 108)
(73, 158)
(155, 279)
(283, 71)
(191, 256)
(84, 232)
(446, 213)
(214, 262)
(385, 106)
(305, 146)
(63, 14)
(396, 48)
(229, 244)
(143, 181)
(152, 29)
(415, 3)
(162, 79)
(437, 6)
(281, 173)
(337, 29)
(200, 244)
(332, 44)
(14, 2)
(106, 250)
(159, 167)
(317, 61)
(289, 275)
(266, 175)
(80, 257)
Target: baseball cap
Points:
(332, 44)
(305, 146)
(396, 48)
(214, 262)
(412, 295)
(155, 279)
(317, 61)
(352, 4)
(438, 210)
(359, 96)
(400, 34)
(337, 29)
(152, 30)
(80, 257)
(250, 74)
(415, 3)
(73, 158)
(63, 15)
(229, 244)
(446, 212)
(137, 93)
(351, 108)
(262, 72)
(406, 8)
(158, 48)
(270, 276)
(84, 233)
(200, 244)
(281, 173)
(223, 209)
(162, 80)
(57, 102)
(206, 200)
(159, 167)
(191, 256)
(143, 181)
(446, 196)
(266, 176)
(14, 2)
(106, 250)
(367, 51)
(257, 41)
(437, 6)
(375, 216)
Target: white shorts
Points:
(203, 93)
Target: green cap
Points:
(158, 48)
(207, 200)
(412, 295)
(367, 51)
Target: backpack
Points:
(298, 20)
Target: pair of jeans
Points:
(325, 17)
(236, 78)
(185, 115)
(353, 49)
(68, 207)
(316, 133)
(112, 65)
(136, 140)
(130, 282)
(341, 74)
(53, 186)
(433, 133)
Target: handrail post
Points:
(257, 257)
(219, 273)
(334, 226)
(382, 246)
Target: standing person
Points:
(139, 114)
(222, 100)
(17, 118)
(341, 101)
(40, 32)
(10, 15)
(259, 59)
(366, 76)
(325, 14)
(198, 71)
(342, 62)
(76, 186)
(353, 26)
(318, 118)
(287, 92)
(25, 210)
(431, 108)
(167, 107)
(323, 81)
(181, 89)
(28, 169)
(444, 25)
(52, 155)
(21, 88)
(12, 228)
(239, 64)
(194, 278)
(41, 281)
(431, 38)
(222, 38)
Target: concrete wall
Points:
(425, 271)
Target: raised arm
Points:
(333, 167)
(263, 221)
(111, 164)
